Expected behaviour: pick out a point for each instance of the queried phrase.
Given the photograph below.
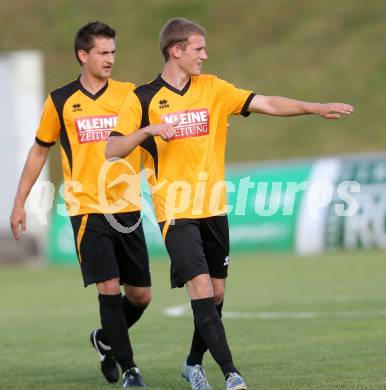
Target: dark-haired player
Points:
(82, 114)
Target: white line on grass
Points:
(185, 311)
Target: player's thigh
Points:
(215, 237)
(185, 247)
(131, 251)
(95, 248)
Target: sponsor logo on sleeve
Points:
(95, 128)
(192, 123)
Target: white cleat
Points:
(196, 376)
(235, 382)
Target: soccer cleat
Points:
(234, 381)
(195, 375)
(132, 378)
(109, 366)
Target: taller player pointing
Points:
(190, 111)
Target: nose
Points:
(204, 56)
(111, 58)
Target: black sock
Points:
(132, 313)
(198, 347)
(115, 329)
(211, 330)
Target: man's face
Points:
(194, 55)
(98, 62)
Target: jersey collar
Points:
(89, 94)
(181, 92)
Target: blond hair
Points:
(177, 31)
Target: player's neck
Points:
(177, 78)
(92, 84)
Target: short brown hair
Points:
(84, 39)
(177, 31)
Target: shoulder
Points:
(205, 79)
(60, 95)
(208, 81)
(153, 85)
(65, 91)
(121, 86)
(147, 91)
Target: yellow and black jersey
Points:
(187, 177)
(83, 122)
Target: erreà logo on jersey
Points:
(192, 123)
(95, 128)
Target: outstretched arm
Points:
(35, 161)
(121, 146)
(280, 106)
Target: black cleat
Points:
(132, 378)
(109, 366)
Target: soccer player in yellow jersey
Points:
(180, 121)
(82, 114)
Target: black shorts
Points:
(197, 246)
(105, 253)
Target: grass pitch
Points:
(292, 323)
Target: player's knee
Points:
(140, 297)
(144, 299)
(109, 287)
(200, 287)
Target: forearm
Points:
(121, 146)
(35, 161)
(281, 106)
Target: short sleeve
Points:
(235, 100)
(129, 117)
(49, 127)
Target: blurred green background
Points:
(311, 50)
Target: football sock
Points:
(132, 313)
(198, 347)
(211, 330)
(115, 329)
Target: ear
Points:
(82, 56)
(175, 51)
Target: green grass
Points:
(46, 315)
